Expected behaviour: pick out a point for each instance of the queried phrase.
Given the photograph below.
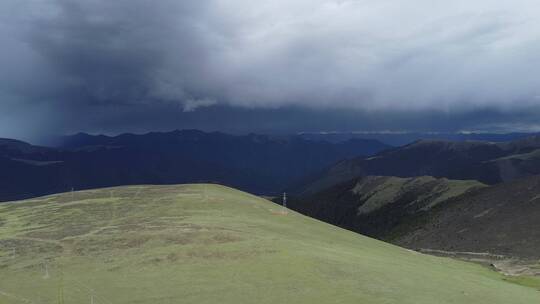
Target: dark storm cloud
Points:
(122, 65)
(115, 51)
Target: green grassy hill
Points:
(212, 244)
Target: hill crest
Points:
(205, 244)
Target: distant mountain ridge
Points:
(80, 140)
(255, 163)
(404, 138)
(487, 162)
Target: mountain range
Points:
(410, 195)
(487, 162)
(256, 163)
(472, 197)
(403, 138)
(476, 200)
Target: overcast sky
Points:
(268, 66)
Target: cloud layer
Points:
(69, 57)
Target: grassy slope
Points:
(525, 156)
(379, 191)
(211, 244)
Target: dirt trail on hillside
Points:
(503, 264)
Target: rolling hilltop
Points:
(212, 244)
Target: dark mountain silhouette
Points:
(404, 138)
(255, 163)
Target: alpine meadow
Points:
(206, 244)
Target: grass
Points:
(389, 189)
(212, 244)
(529, 281)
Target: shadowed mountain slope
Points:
(436, 214)
(376, 205)
(502, 219)
(487, 162)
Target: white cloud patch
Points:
(191, 105)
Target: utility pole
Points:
(46, 270)
(61, 289)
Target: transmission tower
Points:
(45, 270)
